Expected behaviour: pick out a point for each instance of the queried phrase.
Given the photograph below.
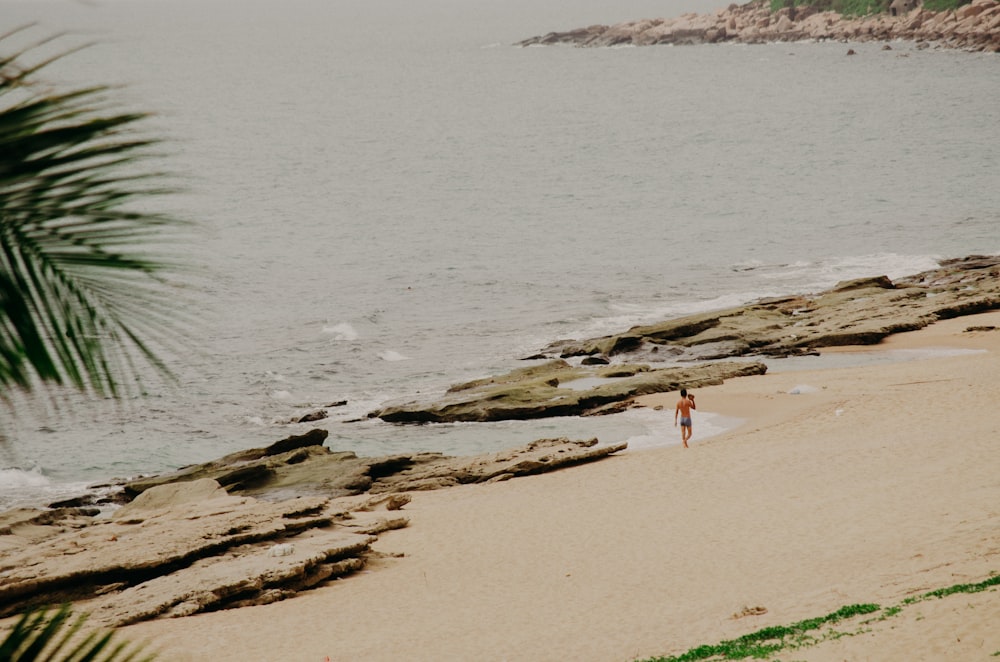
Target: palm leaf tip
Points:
(42, 635)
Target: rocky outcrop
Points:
(974, 27)
(317, 470)
(539, 456)
(689, 351)
(186, 544)
(546, 390)
(856, 312)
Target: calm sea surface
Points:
(392, 198)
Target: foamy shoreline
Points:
(799, 511)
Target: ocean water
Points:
(392, 198)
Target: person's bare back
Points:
(683, 409)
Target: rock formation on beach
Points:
(974, 27)
(855, 312)
(542, 391)
(251, 528)
(688, 351)
(304, 466)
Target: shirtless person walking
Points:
(684, 407)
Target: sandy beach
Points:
(875, 484)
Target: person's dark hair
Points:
(684, 392)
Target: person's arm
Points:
(677, 410)
(691, 399)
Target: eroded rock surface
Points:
(690, 351)
(857, 312)
(541, 391)
(187, 543)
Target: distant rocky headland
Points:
(973, 27)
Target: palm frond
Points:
(41, 635)
(82, 290)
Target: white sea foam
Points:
(810, 276)
(390, 355)
(13, 478)
(31, 487)
(341, 331)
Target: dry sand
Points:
(880, 485)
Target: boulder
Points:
(162, 497)
(314, 437)
(242, 469)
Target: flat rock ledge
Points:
(708, 348)
(547, 390)
(185, 544)
(856, 312)
(973, 27)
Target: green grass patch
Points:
(944, 5)
(964, 588)
(842, 7)
(889, 612)
(859, 7)
(763, 643)
(760, 644)
(862, 7)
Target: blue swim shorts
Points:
(685, 421)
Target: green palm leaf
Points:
(81, 287)
(39, 635)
